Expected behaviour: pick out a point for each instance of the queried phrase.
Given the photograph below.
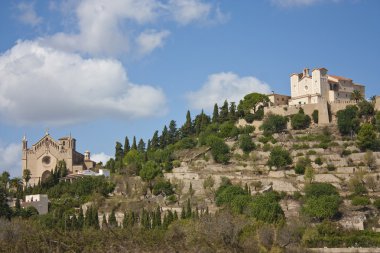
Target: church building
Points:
(321, 87)
(44, 155)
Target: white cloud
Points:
(100, 157)
(10, 158)
(27, 14)
(47, 86)
(222, 86)
(150, 40)
(103, 26)
(100, 26)
(291, 3)
(187, 11)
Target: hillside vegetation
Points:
(216, 184)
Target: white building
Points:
(321, 87)
(39, 201)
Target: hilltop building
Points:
(318, 91)
(320, 87)
(43, 157)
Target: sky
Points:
(101, 70)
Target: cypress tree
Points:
(188, 209)
(104, 221)
(74, 222)
(119, 152)
(232, 114)
(187, 128)
(141, 146)
(175, 216)
(126, 222)
(158, 217)
(95, 218)
(223, 114)
(173, 132)
(127, 147)
(112, 222)
(215, 114)
(164, 138)
(134, 145)
(155, 143)
(183, 213)
(80, 218)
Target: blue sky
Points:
(102, 70)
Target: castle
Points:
(44, 155)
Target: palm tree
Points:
(356, 95)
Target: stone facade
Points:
(320, 87)
(278, 99)
(43, 156)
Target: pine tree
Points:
(175, 215)
(141, 146)
(134, 145)
(215, 114)
(173, 132)
(126, 145)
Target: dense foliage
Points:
(273, 123)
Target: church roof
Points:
(340, 78)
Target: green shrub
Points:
(226, 193)
(318, 160)
(376, 203)
(219, 149)
(267, 147)
(249, 117)
(186, 143)
(315, 116)
(330, 167)
(323, 207)
(279, 158)
(345, 152)
(176, 163)
(320, 189)
(265, 207)
(311, 152)
(300, 121)
(360, 201)
(273, 124)
(246, 143)
(163, 187)
(301, 165)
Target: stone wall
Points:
(308, 109)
